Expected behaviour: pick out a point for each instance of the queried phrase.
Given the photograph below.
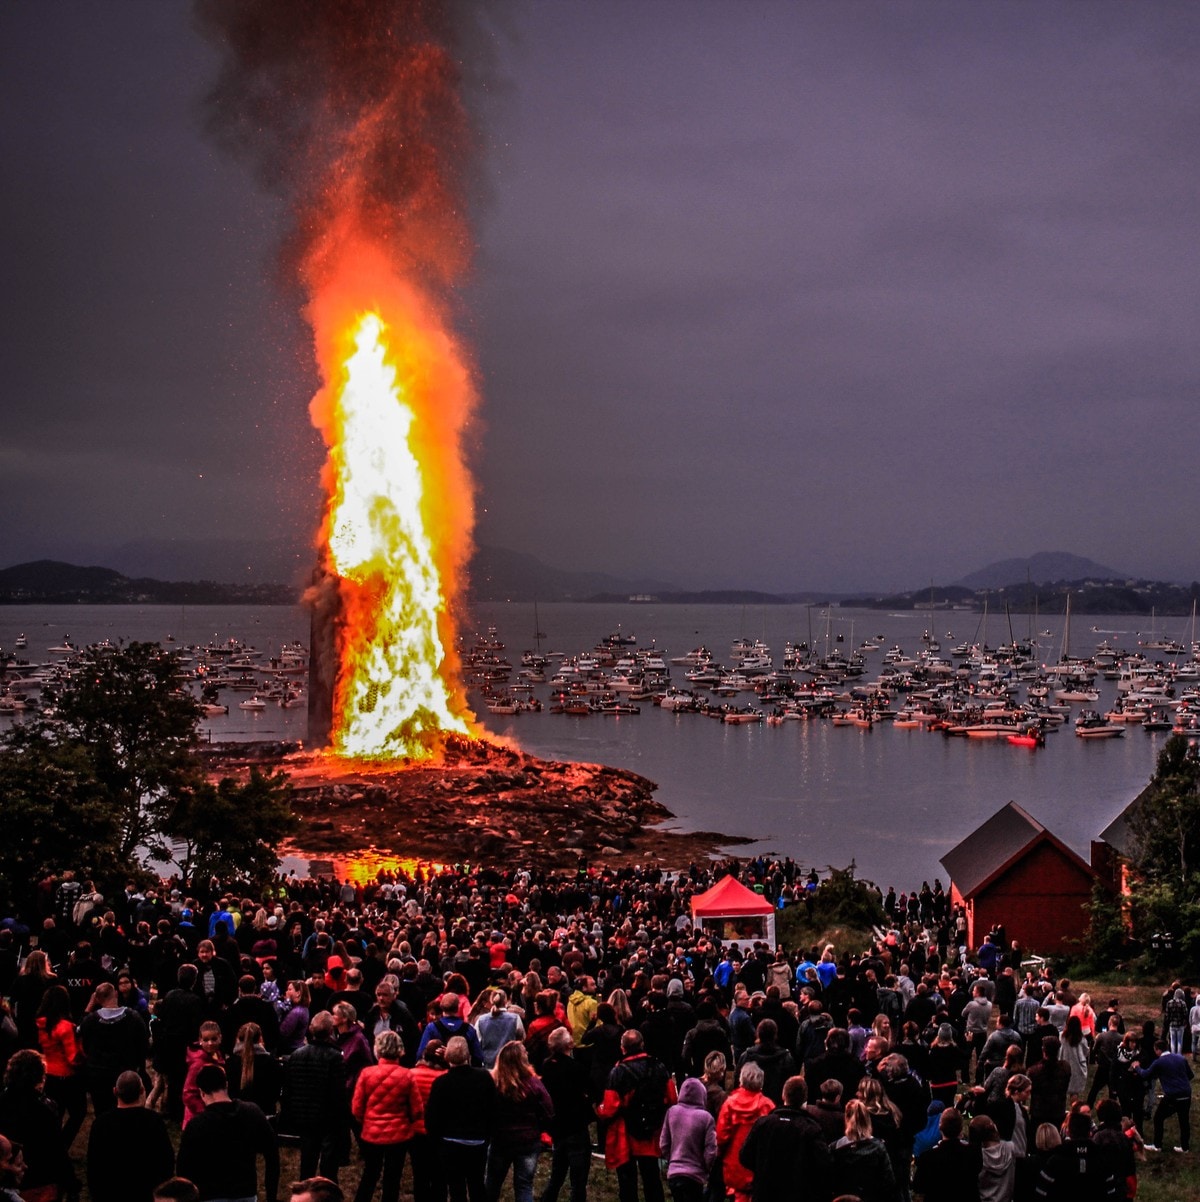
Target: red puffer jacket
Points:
(388, 1103)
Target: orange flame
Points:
(399, 511)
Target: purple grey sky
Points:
(780, 295)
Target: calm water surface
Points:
(894, 801)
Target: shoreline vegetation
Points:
(48, 582)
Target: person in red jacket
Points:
(639, 1088)
(58, 1044)
(742, 1109)
(207, 1051)
(388, 1103)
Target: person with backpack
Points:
(640, 1090)
(450, 1024)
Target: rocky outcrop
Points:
(479, 801)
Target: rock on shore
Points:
(480, 801)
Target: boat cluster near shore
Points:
(224, 676)
(974, 692)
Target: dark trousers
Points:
(69, 1094)
(320, 1152)
(627, 1179)
(100, 1085)
(462, 1169)
(1163, 1111)
(686, 1189)
(428, 1183)
(387, 1159)
(572, 1155)
(1099, 1081)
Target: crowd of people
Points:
(467, 1025)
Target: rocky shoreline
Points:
(480, 801)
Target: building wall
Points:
(1042, 902)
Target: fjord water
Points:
(893, 801)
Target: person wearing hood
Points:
(113, 1040)
(688, 1143)
(742, 1109)
(776, 1062)
(996, 1160)
(581, 1007)
(786, 1148)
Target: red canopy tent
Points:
(734, 914)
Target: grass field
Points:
(1164, 1177)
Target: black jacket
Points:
(787, 1153)
(462, 1104)
(314, 1090)
(129, 1153)
(568, 1084)
(220, 1147)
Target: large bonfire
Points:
(354, 108)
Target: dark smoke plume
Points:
(353, 111)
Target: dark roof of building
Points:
(1117, 833)
(989, 850)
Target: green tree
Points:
(1165, 854)
(128, 707)
(229, 830)
(57, 815)
(1166, 822)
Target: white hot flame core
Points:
(391, 683)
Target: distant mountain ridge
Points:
(1046, 567)
(51, 582)
(500, 574)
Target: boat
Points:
(20, 642)
(1030, 737)
(735, 717)
(1091, 725)
(254, 704)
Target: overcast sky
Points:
(780, 295)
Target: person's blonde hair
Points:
(250, 1036)
(871, 1094)
(1047, 1138)
(388, 1046)
(619, 1001)
(858, 1121)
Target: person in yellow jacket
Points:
(581, 1007)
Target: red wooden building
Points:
(1013, 871)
